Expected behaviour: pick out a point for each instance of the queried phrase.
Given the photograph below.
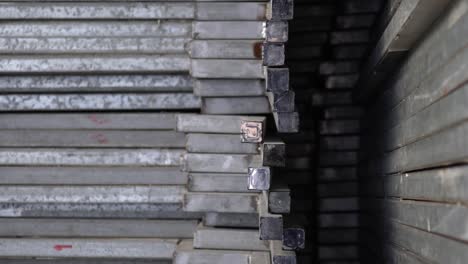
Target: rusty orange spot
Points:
(258, 47)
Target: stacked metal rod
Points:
(415, 149)
(328, 40)
(104, 154)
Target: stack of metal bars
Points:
(105, 157)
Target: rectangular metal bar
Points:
(236, 239)
(96, 45)
(91, 157)
(97, 210)
(95, 11)
(228, 87)
(73, 102)
(225, 49)
(435, 187)
(228, 163)
(45, 175)
(227, 30)
(95, 64)
(219, 143)
(234, 69)
(94, 138)
(232, 11)
(111, 121)
(88, 248)
(186, 254)
(235, 105)
(96, 83)
(165, 28)
(221, 203)
(81, 228)
(218, 182)
(231, 220)
(91, 194)
(223, 124)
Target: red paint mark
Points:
(98, 120)
(62, 247)
(100, 138)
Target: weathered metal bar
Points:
(411, 20)
(259, 178)
(280, 256)
(236, 30)
(44, 175)
(347, 81)
(277, 80)
(107, 45)
(231, 220)
(417, 126)
(228, 163)
(234, 69)
(274, 153)
(91, 138)
(338, 189)
(294, 238)
(437, 218)
(280, 10)
(339, 143)
(218, 143)
(225, 49)
(338, 204)
(451, 251)
(343, 112)
(273, 54)
(88, 248)
(218, 182)
(339, 127)
(439, 149)
(355, 21)
(271, 225)
(339, 67)
(71, 102)
(187, 255)
(91, 194)
(95, 64)
(283, 102)
(215, 123)
(338, 220)
(276, 31)
(127, 121)
(287, 122)
(102, 10)
(335, 236)
(96, 83)
(342, 158)
(221, 203)
(279, 200)
(342, 252)
(435, 187)
(228, 87)
(165, 28)
(97, 228)
(234, 239)
(97, 210)
(233, 11)
(83, 261)
(236, 105)
(91, 157)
